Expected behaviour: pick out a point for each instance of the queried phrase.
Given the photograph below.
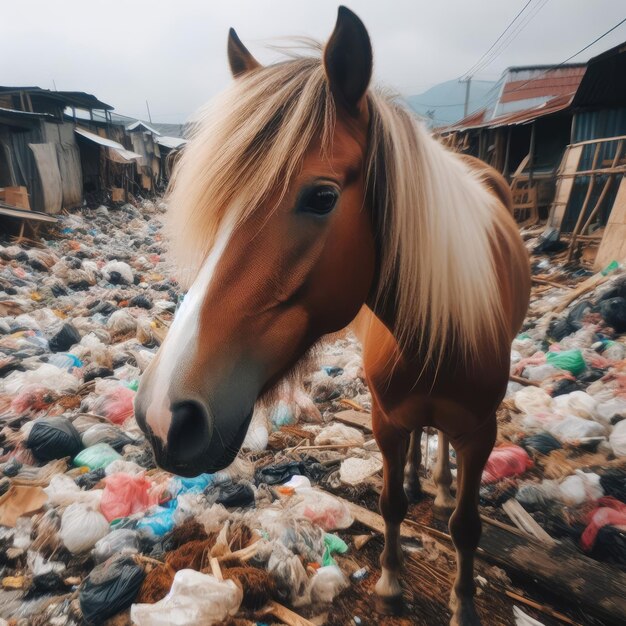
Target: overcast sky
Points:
(173, 52)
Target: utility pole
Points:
(149, 116)
(468, 82)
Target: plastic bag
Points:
(67, 337)
(125, 494)
(110, 588)
(531, 400)
(81, 527)
(329, 581)
(506, 461)
(322, 509)
(571, 429)
(54, 438)
(610, 512)
(609, 409)
(117, 404)
(118, 541)
(96, 457)
(339, 434)
(569, 360)
(613, 312)
(542, 442)
(158, 523)
(536, 496)
(291, 578)
(354, 471)
(618, 439)
(63, 491)
(118, 273)
(334, 545)
(106, 433)
(576, 403)
(580, 487)
(194, 598)
(122, 322)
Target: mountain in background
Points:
(443, 104)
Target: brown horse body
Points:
(306, 202)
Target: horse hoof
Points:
(414, 493)
(443, 512)
(463, 612)
(391, 606)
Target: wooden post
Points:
(507, 154)
(531, 155)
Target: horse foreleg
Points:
(393, 503)
(444, 502)
(465, 526)
(412, 486)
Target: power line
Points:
(498, 39)
(512, 36)
(569, 58)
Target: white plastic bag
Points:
(63, 491)
(531, 400)
(576, 403)
(290, 574)
(618, 439)
(609, 409)
(322, 509)
(354, 470)
(572, 428)
(328, 582)
(194, 598)
(339, 434)
(81, 527)
(580, 487)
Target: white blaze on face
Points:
(181, 337)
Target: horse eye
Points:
(319, 200)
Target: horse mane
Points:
(434, 217)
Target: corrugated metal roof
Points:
(547, 84)
(118, 148)
(68, 98)
(139, 125)
(171, 142)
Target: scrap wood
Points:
(523, 381)
(355, 418)
(522, 519)
(587, 285)
(550, 283)
(286, 615)
(599, 588)
(539, 607)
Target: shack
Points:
(39, 157)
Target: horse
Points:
(308, 201)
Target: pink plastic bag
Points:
(116, 404)
(506, 461)
(610, 512)
(125, 494)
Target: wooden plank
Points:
(613, 246)
(525, 522)
(575, 578)
(564, 186)
(355, 418)
(287, 616)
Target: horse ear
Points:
(348, 60)
(239, 57)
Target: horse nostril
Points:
(189, 433)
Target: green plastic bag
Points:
(570, 360)
(96, 457)
(333, 545)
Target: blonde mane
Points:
(434, 217)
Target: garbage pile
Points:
(563, 424)
(91, 529)
(89, 526)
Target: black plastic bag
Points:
(64, 339)
(54, 438)
(236, 495)
(110, 588)
(542, 442)
(613, 312)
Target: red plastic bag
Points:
(506, 461)
(610, 512)
(125, 494)
(116, 404)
